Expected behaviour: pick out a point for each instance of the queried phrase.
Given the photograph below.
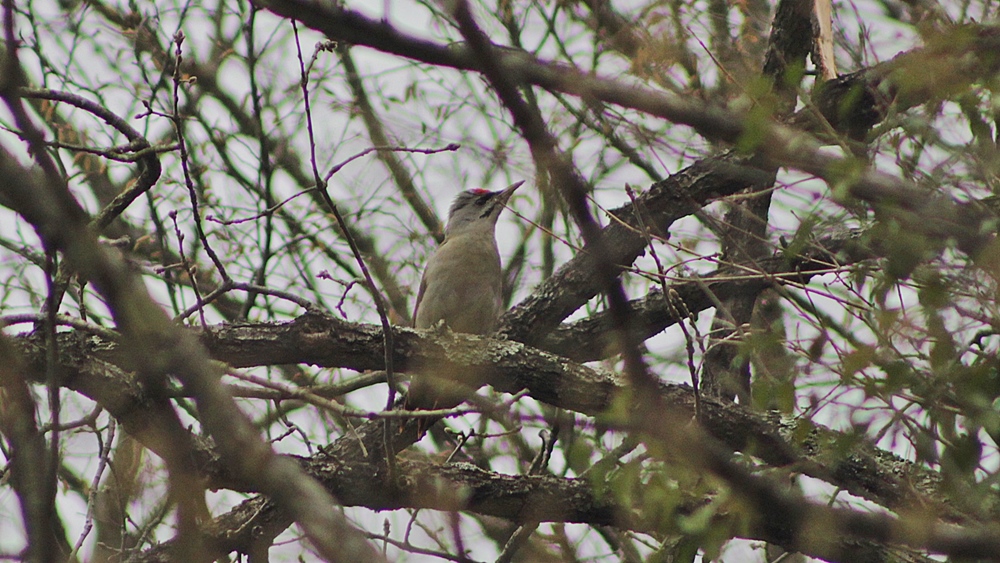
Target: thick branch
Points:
(509, 366)
(518, 498)
(665, 202)
(589, 340)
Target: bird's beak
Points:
(504, 196)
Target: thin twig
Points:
(383, 314)
(336, 168)
(307, 396)
(95, 486)
(178, 122)
(230, 285)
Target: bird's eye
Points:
(483, 199)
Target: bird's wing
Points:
(420, 296)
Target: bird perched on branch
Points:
(462, 285)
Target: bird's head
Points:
(478, 209)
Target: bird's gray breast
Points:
(462, 286)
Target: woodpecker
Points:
(462, 284)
